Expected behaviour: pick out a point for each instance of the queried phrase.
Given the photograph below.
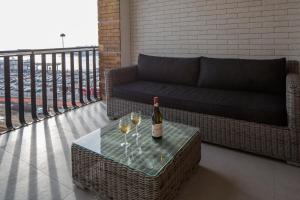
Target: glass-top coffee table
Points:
(147, 169)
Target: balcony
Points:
(54, 108)
(51, 97)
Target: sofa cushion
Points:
(249, 106)
(240, 74)
(168, 70)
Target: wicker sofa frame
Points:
(268, 140)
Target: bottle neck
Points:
(156, 106)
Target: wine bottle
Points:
(157, 119)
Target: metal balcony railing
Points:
(47, 82)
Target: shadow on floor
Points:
(207, 185)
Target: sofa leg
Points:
(296, 164)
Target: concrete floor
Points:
(35, 164)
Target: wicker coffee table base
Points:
(111, 180)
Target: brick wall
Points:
(216, 28)
(109, 37)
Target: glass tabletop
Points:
(144, 154)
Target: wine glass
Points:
(124, 127)
(136, 120)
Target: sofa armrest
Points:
(293, 111)
(293, 99)
(118, 76)
(293, 105)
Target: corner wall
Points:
(216, 28)
(114, 36)
(109, 37)
(125, 33)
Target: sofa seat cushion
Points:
(249, 106)
(169, 70)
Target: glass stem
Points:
(125, 145)
(136, 131)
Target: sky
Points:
(31, 24)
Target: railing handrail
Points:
(46, 51)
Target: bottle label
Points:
(157, 130)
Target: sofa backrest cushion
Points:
(240, 74)
(169, 70)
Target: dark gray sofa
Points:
(238, 103)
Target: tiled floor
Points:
(35, 164)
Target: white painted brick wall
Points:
(216, 28)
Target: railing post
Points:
(94, 74)
(64, 82)
(80, 77)
(21, 90)
(72, 80)
(87, 73)
(54, 83)
(33, 93)
(8, 121)
(99, 76)
(44, 86)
